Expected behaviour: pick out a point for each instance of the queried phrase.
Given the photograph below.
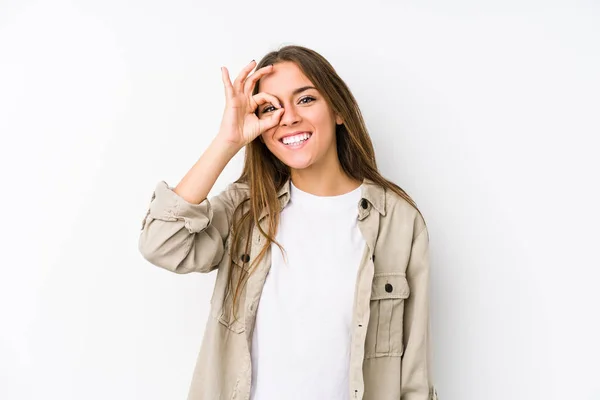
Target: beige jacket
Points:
(390, 350)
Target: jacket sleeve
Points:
(417, 374)
(183, 237)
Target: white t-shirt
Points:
(301, 340)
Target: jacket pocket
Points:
(385, 329)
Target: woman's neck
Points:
(321, 183)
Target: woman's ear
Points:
(338, 120)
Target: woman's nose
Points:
(289, 117)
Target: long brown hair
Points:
(265, 174)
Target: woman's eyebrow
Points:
(302, 89)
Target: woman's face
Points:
(305, 135)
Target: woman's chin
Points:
(297, 163)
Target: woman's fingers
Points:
(251, 81)
(241, 78)
(243, 83)
(227, 83)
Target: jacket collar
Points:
(371, 191)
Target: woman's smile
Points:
(297, 141)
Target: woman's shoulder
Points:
(238, 186)
(395, 202)
(385, 198)
(401, 210)
(237, 191)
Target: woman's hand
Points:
(240, 125)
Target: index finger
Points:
(264, 98)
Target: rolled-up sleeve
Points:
(184, 237)
(417, 369)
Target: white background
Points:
(487, 113)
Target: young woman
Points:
(322, 264)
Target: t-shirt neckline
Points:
(341, 201)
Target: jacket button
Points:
(389, 287)
(363, 203)
(245, 258)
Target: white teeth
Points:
(296, 139)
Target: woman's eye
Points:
(268, 109)
(306, 98)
